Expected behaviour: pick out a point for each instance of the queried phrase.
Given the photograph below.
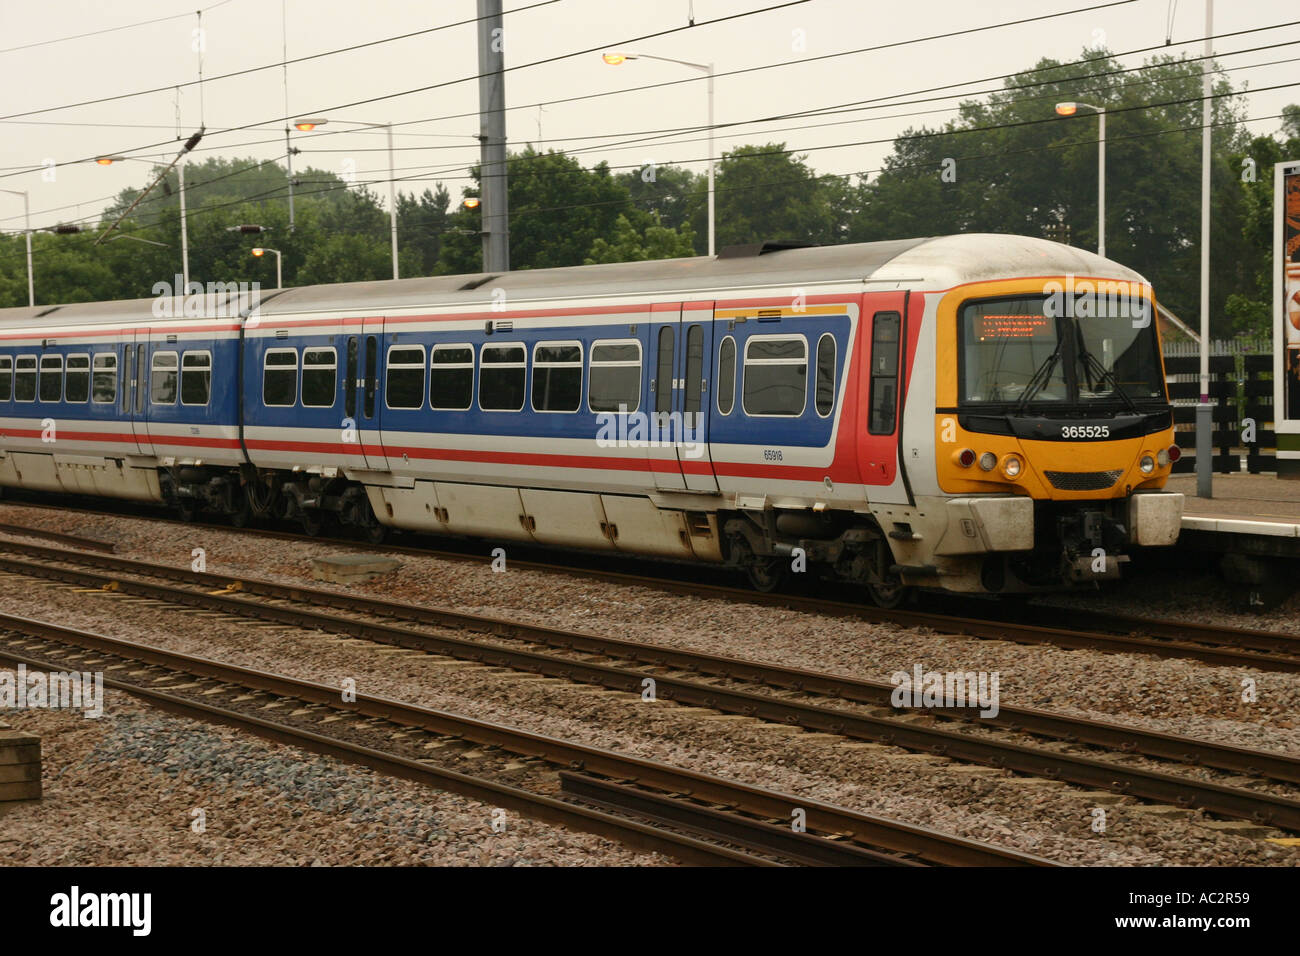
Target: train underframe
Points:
(1075, 544)
(312, 500)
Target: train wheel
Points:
(376, 533)
(312, 522)
(187, 508)
(888, 596)
(766, 576)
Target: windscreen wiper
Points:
(1107, 375)
(1042, 375)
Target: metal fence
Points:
(1241, 391)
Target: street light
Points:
(27, 231)
(472, 202)
(618, 59)
(259, 252)
(1069, 109)
(180, 178)
(307, 124)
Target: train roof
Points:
(936, 263)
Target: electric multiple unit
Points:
(978, 413)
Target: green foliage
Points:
(631, 245)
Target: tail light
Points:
(965, 458)
(1175, 453)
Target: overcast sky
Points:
(243, 34)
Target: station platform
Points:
(1250, 529)
(1253, 506)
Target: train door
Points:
(694, 359)
(679, 395)
(370, 398)
(881, 390)
(664, 332)
(133, 392)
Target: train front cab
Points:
(1052, 437)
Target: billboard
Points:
(1286, 337)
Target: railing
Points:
(1241, 391)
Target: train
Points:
(971, 413)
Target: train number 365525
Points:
(1085, 431)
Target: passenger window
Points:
(51, 378)
(825, 390)
(25, 378)
(280, 378)
(372, 371)
(128, 379)
(451, 378)
(162, 379)
(884, 372)
(557, 376)
(103, 378)
(319, 371)
(196, 378)
(776, 375)
(726, 384)
(350, 380)
(404, 381)
(694, 369)
(614, 384)
(501, 378)
(6, 378)
(664, 371)
(139, 390)
(76, 386)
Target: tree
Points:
(631, 245)
(557, 211)
(1010, 165)
(766, 192)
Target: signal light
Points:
(1175, 453)
(965, 458)
(988, 461)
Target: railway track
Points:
(1099, 631)
(695, 817)
(809, 699)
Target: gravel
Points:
(1037, 816)
(124, 789)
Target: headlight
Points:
(988, 461)
(1147, 465)
(1011, 466)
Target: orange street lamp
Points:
(618, 59)
(259, 251)
(1069, 109)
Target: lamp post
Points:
(310, 123)
(260, 251)
(1069, 109)
(180, 181)
(27, 232)
(618, 59)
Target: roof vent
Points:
(763, 248)
(475, 283)
(44, 312)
